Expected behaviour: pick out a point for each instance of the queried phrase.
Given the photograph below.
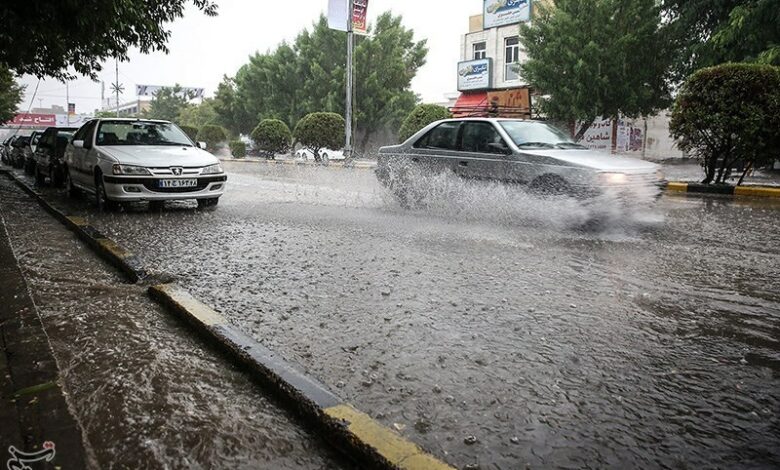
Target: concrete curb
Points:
(356, 166)
(125, 261)
(346, 427)
(351, 431)
(727, 190)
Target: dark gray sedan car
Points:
(531, 153)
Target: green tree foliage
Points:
(728, 113)
(421, 116)
(317, 131)
(46, 37)
(597, 58)
(710, 32)
(272, 136)
(192, 132)
(10, 95)
(309, 75)
(212, 135)
(237, 148)
(198, 115)
(168, 103)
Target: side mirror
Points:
(79, 144)
(202, 145)
(499, 147)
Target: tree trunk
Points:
(585, 126)
(709, 168)
(722, 170)
(748, 167)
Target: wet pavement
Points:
(488, 326)
(147, 393)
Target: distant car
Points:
(29, 152)
(325, 154)
(17, 151)
(526, 152)
(49, 155)
(5, 150)
(130, 160)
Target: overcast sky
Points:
(203, 49)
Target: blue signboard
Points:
(503, 12)
(475, 75)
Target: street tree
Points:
(599, 58)
(47, 37)
(317, 131)
(421, 116)
(213, 136)
(272, 136)
(729, 113)
(10, 95)
(198, 115)
(231, 113)
(169, 103)
(710, 32)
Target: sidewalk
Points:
(692, 172)
(33, 410)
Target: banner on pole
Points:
(360, 17)
(338, 15)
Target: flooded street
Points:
(488, 326)
(147, 393)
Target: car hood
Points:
(599, 161)
(159, 155)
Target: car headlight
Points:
(130, 170)
(212, 169)
(614, 178)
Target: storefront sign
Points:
(503, 12)
(33, 120)
(475, 75)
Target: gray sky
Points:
(203, 49)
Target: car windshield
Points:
(141, 133)
(528, 134)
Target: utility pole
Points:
(67, 103)
(350, 50)
(117, 87)
(102, 94)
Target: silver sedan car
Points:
(531, 153)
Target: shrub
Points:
(192, 132)
(421, 116)
(317, 131)
(237, 148)
(272, 136)
(212, 135)
(729, 113)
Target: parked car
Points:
(49, 155)
(531, 153)
(129, 160)
(29, 152)
(17, 151)
(326, 155)
(5, 150)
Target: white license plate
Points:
(178, 183)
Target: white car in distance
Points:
(132, 160)
(325, 154)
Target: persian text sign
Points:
(338, 14)
(38, 120)
(151, 90)
(360, 16)
(475, 75)
(503, 12)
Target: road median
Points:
(725, 190)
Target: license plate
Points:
(178, 183)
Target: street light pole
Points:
(350, 50)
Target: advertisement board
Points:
(33, 120)
(475, 75)
(151, 90)
(503, 12)
(338, 15)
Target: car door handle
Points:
(462, 163)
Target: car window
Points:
(79, 135)
(477, 137)
(444, 136)
(45, 140)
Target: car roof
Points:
(131, 119)
(489, 119)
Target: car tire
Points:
(73, 191)
(104, 204)
(208, 203)
(40, 179)
(156, 206)
(550, 185)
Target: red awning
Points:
(471, 104)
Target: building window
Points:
(512, 48)
(480, 50)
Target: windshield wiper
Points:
(545, 145)
(570, 145)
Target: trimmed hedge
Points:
(421, 116)
(272, 136)
(192, 132)
(729, 115)
(317, 131)
(212, 135)
(237, 149)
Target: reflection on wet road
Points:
(147, 393)
(490, 329)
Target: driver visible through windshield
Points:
(526, 134)
(141, 133)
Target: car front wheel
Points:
(104, 204)
(73, 191)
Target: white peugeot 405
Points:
(131, 160)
